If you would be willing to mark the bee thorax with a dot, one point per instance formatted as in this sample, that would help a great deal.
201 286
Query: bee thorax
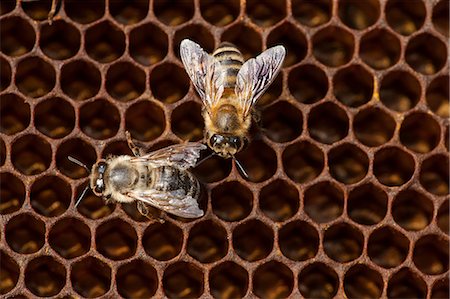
227 119
122 177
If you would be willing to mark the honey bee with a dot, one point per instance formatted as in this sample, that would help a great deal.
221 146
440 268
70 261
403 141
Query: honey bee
229 89
159 179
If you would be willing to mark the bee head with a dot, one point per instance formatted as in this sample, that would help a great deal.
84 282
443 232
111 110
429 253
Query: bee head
97 179
227 146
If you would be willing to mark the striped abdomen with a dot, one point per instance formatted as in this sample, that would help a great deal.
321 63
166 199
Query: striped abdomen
231 59
168 178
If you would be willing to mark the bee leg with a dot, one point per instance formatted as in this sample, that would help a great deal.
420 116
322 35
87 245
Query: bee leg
54 10
136 151
143 209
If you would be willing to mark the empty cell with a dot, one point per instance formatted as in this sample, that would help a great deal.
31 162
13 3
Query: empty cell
213 169
379 49
60 40
292 39
387 247
173 15
373 126
399 91
440 289
245 38
148 44
266 13
183 280
25 234
367 204
187 121
104 42
14 114
92 206
434 175
259 161
406 284
282 122
13 44
35 77
207 242
117 148
37 10
348 163
7 6
80 80
145 121
253 240
431 254
50 196
273 280
361 281
197 33
405 17
343 242
78 149
84 12
169 83
442 218
30 154
99 119
12 192
272 93
318 280
54 117
5 73
437 96
298 240
327 123
231 201
353 85
312 13
333 46
128 12
393 166
279 200
426 54
303 161
420 132
44 276
137 279
359 14
90 277
228 280
116 239
308 83
10 273
162 241
323 202
70 238
125 81
3 153
440 17
219 13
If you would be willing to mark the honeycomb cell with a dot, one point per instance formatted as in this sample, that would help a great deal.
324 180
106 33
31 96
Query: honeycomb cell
426 54
137 279
434 175
128 12
228 280
318 280
308 84
145 121
187 121
292 39
323 202
7 6
282 122
273 280
92 207
379 49
25 234
54 117
279 200
90 277
60 40
10 273
440 17
373 126
443 218
197 33
219 13
34 77
148 44
266 13
343 242
78 149
400 91
30 154
169 83
360 281
104 42
173 15
327 123
80 80
70 238
303 161
117 148
298 240
387 247
50 196
420 132
125 82
438 96
231 201
183 280
99 119
272 93
5 73
406 284
37 10
14 114
348 163
245 38
116 239
259 161
45 276
207 242
393 166
2 153
405 18
353 85
367 204
253 240
312 13
84 12
431 254
440 289
163 241
213 169
359 14
14 44
333 46
12 193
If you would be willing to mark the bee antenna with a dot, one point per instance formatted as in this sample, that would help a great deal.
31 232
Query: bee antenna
241 168
79 163
204 159
82 195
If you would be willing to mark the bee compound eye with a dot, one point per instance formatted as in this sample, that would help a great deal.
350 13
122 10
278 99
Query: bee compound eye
216 139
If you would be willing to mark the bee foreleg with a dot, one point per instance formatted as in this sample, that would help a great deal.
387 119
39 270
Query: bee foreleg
136 151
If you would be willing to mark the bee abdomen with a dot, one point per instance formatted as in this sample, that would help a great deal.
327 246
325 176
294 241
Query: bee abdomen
171 178
231 59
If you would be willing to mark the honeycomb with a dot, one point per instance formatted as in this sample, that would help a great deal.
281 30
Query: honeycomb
347 194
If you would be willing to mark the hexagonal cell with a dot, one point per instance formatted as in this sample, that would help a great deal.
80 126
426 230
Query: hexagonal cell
128 12
183 280
145 121
80 80
367 204
173 15
253 240
420 132
405 18
86 12
387 247
228 280
298 240
197 33
434 175
426 54
318 280
440 289
327 123
70 238
343 242
308 84
400 91
373 126
78 149
213 169
60 40
333 46
5 73
169 83
12 193
363 282
99 119
312 13
25 234
35 77
14 114
245 38
50 196
10 273
207 242
266 13
14 44
117 148
393 166
219 13
148 44
54 117
438 96
324 202
440 17
406 284
7 6
292 39
187 121
231 201
44 276
125 81
279 200
104 42
379 49
30 154
137 279
116 239
353 85
163 241
259 161
359 14
431 254
303 161
90 277
348 163
443 218
2 153
92 207
273 280
37 10
282 122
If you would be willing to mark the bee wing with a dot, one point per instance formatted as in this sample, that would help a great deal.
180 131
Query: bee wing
256 75
205 72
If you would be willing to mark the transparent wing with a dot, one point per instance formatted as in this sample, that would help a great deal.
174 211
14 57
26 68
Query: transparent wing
205 72
256 75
